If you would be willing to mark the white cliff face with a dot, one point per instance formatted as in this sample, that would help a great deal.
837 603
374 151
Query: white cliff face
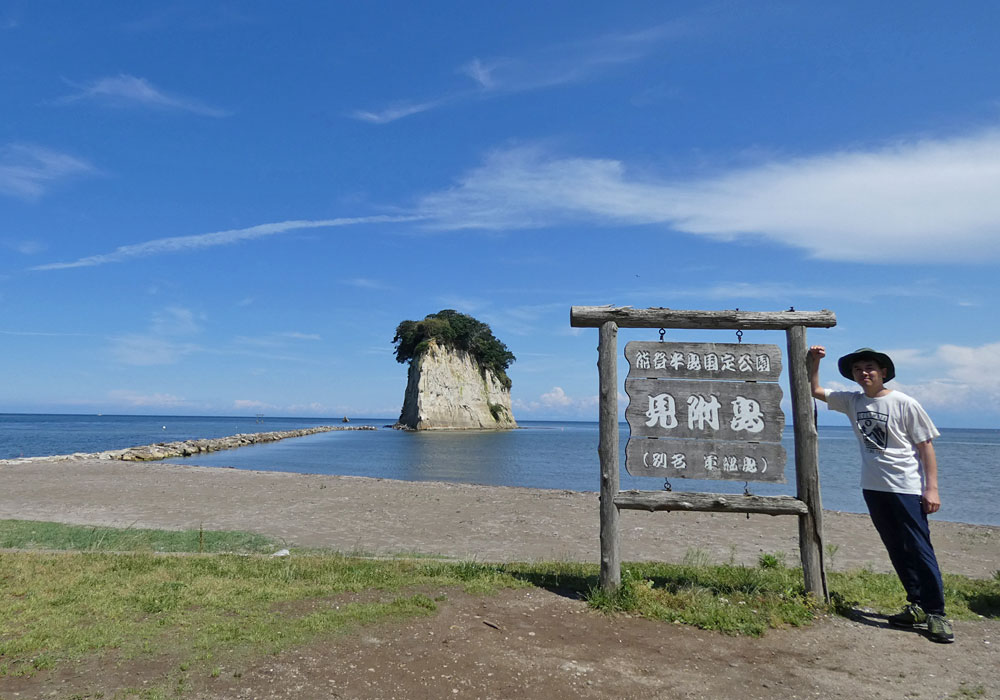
446 389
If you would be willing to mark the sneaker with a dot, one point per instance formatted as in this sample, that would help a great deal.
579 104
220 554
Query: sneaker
939 630
910 616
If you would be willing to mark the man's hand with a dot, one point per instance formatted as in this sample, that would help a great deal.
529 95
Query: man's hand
931 501
815 354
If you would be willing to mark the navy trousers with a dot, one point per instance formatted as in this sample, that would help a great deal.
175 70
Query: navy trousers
902 525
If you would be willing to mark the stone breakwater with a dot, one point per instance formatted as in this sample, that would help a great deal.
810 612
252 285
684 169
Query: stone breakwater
186 448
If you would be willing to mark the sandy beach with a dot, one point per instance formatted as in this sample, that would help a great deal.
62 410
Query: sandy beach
536 642
482 523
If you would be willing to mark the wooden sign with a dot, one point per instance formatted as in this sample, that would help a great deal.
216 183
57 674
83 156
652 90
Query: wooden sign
704 410
703 454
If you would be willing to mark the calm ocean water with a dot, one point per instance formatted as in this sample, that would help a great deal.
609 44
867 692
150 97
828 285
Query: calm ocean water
550 455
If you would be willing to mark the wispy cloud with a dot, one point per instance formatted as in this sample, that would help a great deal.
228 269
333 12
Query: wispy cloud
150 350
175 320
365 283
160 344
276 340
181 244
911 201
128 90
396 111
28 171
561 64
26 247
251 405
571 62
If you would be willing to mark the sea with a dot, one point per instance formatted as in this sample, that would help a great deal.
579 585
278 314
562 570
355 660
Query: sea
540 454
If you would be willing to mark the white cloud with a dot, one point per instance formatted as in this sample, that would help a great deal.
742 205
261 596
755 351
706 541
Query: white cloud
947 377
129 90
479 72
898 203
179 244
27 171
157 346
314 408
138 400
556 397
556 402
974 366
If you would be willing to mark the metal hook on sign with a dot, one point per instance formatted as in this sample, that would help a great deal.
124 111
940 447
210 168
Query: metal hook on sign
739 336
746 488
667 486
663 332
791 308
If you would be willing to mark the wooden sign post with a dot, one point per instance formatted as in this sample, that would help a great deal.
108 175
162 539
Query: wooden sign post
707 411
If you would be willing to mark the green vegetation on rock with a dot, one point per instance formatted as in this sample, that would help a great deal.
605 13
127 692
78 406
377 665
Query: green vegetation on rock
449 328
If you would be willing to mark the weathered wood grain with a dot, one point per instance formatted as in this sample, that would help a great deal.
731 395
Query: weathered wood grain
608 451
710 502
806 465
628 317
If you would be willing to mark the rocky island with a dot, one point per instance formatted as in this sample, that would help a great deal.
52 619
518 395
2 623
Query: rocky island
457 377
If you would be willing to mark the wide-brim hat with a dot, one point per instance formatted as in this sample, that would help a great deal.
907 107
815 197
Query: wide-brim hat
847 362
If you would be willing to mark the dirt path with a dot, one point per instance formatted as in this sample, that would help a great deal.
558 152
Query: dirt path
538 644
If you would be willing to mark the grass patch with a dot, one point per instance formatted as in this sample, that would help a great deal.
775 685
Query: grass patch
745 600
60 607
965 598
729 598
29 534
213 611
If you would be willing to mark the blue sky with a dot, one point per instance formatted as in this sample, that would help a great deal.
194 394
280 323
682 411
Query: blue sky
227 208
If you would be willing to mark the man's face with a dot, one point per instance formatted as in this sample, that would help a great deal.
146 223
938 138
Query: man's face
868 374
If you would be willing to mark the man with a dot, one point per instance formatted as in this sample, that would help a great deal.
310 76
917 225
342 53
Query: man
898 478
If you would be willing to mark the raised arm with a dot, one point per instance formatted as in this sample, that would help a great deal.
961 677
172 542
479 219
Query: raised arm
816 353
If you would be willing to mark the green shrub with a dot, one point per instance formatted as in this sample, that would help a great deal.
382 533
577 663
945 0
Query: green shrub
452 329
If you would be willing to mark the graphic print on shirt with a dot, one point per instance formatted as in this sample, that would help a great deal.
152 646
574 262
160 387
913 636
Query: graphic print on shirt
874 427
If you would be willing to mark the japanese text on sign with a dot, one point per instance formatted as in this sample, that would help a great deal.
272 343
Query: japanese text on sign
704 410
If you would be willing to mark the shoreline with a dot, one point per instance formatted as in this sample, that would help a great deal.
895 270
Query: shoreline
387 517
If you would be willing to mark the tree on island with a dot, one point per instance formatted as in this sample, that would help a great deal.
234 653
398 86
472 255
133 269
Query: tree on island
452 329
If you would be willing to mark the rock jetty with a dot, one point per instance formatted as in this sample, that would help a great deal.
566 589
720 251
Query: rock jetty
186 448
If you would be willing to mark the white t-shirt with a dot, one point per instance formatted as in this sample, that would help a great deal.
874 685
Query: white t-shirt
888 428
